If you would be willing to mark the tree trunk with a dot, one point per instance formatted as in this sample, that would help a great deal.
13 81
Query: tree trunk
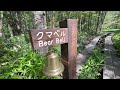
10 30
102 20
1 17
83 21
97 24
13 21
40 23
53 19
40 20
90 20
23 23
44 20
80 27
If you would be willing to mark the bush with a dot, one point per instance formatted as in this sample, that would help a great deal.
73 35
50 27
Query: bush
116 40
19 61
91 69
28 67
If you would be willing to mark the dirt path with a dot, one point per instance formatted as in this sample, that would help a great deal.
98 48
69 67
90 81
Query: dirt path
111 68
82 57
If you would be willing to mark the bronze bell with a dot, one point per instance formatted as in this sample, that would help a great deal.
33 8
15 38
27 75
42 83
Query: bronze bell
53 66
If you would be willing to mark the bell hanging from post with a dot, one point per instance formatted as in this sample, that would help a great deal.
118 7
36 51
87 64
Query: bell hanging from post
53 66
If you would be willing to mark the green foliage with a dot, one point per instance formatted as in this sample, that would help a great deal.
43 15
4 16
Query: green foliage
83 39
16 23
18 61
112 20
91 69
116 40
111 30
28 66
57 49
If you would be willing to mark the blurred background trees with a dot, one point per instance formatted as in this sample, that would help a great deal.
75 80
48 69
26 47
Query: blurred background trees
15 23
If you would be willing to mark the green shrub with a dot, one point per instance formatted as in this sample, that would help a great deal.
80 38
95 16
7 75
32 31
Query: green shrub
91 69
27 67
19 61
116 40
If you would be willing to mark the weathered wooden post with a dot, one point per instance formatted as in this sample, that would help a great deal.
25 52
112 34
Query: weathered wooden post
66 35
69 50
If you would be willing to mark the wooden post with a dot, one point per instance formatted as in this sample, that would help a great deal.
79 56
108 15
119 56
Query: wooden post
66 35
69 50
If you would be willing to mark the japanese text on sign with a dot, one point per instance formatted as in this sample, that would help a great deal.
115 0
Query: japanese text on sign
48 37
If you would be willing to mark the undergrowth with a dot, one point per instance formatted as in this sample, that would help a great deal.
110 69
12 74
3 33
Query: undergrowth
116 41
19 61
91 69
83 39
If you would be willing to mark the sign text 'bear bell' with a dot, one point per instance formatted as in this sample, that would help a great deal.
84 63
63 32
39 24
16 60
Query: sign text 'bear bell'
53 66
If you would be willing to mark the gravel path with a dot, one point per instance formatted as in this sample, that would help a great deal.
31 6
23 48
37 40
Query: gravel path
111 68
82 57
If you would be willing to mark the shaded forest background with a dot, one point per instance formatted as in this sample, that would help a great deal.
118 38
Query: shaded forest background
14 23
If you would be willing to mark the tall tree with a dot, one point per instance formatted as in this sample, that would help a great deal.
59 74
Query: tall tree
39 19
1 16
40 23
12 18
97 21
102 20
